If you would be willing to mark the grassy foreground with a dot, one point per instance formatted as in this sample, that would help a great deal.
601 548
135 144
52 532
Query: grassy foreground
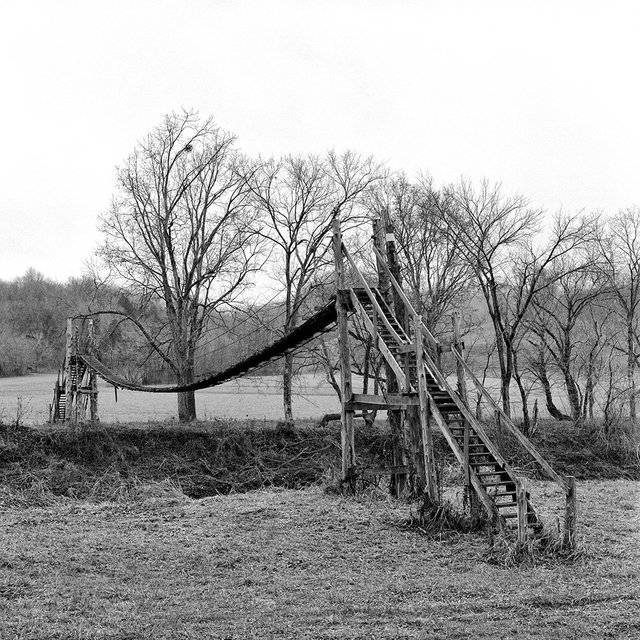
303 564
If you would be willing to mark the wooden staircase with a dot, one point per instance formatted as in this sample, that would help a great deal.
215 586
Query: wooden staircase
79 389
492 478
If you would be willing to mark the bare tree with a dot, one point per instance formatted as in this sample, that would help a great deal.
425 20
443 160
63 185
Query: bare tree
297 197
619 257
560 319
179 231
495 233
432 267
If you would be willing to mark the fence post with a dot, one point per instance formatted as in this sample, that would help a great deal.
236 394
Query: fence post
569 541
521 496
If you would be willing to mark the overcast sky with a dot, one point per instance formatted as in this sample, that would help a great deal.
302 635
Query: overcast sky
541 96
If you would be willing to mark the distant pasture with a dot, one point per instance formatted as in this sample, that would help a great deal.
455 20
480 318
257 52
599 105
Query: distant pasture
255 398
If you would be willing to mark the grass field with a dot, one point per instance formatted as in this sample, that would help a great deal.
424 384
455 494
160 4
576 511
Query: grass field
304 564
254 398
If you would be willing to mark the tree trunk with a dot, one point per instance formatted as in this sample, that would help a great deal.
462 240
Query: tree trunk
526 421
555 413
287 394
505 383
187 406
589 400
631 365
186 399
505 371
574 396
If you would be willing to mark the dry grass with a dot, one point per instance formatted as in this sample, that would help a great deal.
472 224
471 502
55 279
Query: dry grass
303 564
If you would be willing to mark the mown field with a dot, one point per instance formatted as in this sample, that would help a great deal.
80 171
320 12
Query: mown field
304 564
100 539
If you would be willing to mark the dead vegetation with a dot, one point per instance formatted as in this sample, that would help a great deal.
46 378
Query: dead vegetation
111 462
215 458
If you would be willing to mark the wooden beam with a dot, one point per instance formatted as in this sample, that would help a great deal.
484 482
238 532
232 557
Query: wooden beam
346 387
430 476
392 401
93 378
521 501
68 388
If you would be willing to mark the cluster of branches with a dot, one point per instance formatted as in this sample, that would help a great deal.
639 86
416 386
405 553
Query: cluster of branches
550 302
195 221
554 300
197 230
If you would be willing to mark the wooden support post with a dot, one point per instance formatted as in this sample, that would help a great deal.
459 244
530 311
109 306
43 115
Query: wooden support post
394 416
457 345
570 514
521 498
467 473
93 381
431 478
346 386
500 434
68 389
76 391
462 392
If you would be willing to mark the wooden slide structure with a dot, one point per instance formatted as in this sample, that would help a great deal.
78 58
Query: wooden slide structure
424 394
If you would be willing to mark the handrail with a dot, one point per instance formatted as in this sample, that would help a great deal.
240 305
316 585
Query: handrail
374 301
524 441
435 372
388 356
403 296
466 412
455 447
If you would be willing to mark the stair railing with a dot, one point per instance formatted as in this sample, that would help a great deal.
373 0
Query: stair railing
567 485
374 301
431 339
511 426
425 359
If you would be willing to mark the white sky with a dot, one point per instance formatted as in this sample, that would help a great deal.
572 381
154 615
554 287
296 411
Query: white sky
543 96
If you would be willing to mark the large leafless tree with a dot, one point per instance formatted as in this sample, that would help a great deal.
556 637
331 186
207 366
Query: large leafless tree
565 320
179 231
297 198
496 235
619 258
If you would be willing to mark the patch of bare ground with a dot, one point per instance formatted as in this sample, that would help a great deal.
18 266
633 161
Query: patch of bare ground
305 564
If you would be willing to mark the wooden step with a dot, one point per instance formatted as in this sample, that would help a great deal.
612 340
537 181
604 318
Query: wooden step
488 474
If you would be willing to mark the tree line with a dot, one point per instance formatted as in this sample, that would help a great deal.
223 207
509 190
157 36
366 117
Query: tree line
204 246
